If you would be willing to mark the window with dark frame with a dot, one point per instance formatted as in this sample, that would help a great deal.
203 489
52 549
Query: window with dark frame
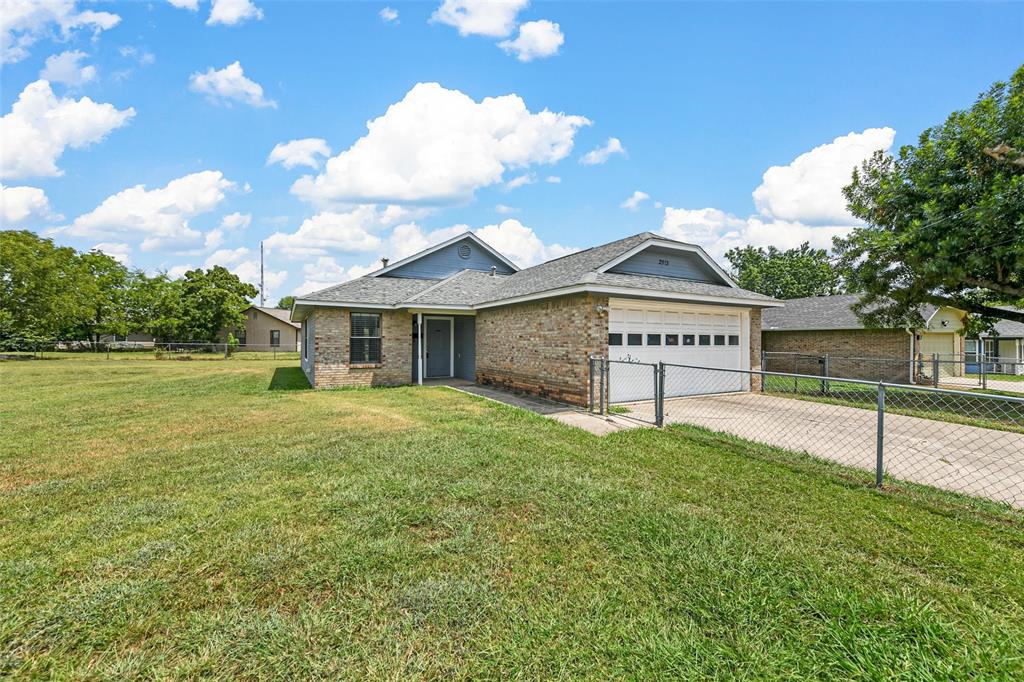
364 338
719 339
634 339
275 338
671 339
654 339
615 339
705 340
240 336
734 340
688 339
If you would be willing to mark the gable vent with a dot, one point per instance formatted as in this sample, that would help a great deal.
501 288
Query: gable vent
465 251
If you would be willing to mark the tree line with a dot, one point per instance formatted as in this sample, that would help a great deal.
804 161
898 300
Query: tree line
52 292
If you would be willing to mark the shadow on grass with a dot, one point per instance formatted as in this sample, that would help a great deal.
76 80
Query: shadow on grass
288 379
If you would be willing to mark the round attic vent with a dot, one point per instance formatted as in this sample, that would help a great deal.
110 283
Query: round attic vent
464 251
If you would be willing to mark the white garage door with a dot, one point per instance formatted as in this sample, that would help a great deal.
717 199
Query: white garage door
702 336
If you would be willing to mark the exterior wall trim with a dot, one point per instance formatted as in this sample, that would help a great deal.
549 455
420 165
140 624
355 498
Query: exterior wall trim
672 246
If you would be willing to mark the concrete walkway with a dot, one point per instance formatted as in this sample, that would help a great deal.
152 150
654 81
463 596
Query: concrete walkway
571 416
956 457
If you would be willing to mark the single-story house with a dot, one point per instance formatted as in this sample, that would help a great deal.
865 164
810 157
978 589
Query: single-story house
266 329
1003 349
462 309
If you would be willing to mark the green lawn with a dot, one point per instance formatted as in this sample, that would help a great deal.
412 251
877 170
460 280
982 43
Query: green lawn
999 377
212 519
960 409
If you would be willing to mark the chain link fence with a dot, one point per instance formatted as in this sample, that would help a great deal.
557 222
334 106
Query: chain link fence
143 350
924 369
968 442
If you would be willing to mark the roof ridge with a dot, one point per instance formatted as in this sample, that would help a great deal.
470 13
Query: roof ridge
436 285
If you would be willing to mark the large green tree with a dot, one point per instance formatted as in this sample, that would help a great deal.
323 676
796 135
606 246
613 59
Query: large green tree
945 217
793 273
286 302
210 301
44 288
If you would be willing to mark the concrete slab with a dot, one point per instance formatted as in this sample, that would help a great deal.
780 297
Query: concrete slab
571 416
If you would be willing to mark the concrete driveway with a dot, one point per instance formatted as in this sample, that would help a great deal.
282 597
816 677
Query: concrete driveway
965 459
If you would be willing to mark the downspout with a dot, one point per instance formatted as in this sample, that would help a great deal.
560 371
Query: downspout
419 347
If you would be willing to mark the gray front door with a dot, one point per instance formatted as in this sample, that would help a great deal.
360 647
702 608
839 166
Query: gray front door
439 347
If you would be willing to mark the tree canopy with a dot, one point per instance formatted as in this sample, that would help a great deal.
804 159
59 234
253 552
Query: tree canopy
945 217
286 302
793 273
52 292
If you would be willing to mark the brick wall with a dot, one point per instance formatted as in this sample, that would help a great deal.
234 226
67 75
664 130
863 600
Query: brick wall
541 347
755 348
873 354
331 368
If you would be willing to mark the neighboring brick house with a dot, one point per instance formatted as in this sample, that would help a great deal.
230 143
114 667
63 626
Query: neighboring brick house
797 336
462 310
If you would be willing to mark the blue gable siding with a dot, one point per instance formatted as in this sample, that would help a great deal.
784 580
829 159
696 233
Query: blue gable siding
447 261
668 263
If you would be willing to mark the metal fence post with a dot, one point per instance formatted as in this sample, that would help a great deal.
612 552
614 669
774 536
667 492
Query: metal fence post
659 394
984 372
824 373
604 372
880 437
592 361
935 370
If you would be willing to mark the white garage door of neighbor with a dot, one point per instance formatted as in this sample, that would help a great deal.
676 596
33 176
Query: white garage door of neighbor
702 336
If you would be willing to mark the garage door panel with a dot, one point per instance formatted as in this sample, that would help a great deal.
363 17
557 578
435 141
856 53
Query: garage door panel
651 325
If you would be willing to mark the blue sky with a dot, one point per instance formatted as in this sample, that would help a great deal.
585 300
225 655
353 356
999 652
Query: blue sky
737 122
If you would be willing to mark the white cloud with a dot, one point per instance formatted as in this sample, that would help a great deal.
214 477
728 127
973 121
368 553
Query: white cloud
438 145
226 257
178 271
231 12
809 189
304 152
601 154
553 179
159 216
332 232
249 271
229 85
502 208
389 14
520 244
40 126
635 199
236 221
142 56
119 251
537 39
191 5
320 274
800 202
67 68
521 180
20 204
495 18
23 22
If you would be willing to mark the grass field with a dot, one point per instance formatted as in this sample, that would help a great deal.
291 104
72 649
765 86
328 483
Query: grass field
213 519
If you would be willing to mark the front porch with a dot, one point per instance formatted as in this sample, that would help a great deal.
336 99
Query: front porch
443 348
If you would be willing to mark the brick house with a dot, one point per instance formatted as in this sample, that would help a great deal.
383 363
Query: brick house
461 309
826 325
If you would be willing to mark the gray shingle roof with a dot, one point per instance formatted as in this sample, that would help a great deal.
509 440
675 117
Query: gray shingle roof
278 313
472 287
1010 328
819 312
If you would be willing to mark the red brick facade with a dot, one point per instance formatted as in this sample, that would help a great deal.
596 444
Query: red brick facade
542 347
330 350
873 354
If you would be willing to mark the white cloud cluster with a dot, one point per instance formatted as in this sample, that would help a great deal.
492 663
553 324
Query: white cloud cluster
520 244
493 18
40 126
799 202
159 217
327 232
601 154
21 204
389 15
320 274
191 5
119 251
536 39
67 68
438 145
634 200
232 12
304 152
497 19
227 85
23 22
241 262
